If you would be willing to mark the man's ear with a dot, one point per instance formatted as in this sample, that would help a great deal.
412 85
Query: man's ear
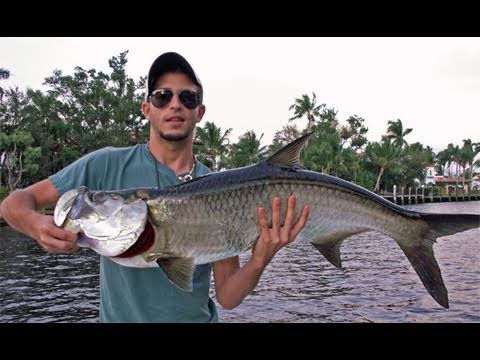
146 109
201 112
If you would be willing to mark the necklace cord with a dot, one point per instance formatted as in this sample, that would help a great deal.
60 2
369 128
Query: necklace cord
183 178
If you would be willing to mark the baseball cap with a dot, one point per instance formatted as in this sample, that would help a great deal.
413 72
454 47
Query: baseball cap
170 62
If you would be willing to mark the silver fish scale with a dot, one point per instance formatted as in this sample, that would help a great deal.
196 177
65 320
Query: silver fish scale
223 222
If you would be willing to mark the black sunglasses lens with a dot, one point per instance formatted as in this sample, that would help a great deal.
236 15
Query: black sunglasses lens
161 98
189 99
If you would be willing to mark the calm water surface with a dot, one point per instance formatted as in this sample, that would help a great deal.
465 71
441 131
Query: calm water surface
377 283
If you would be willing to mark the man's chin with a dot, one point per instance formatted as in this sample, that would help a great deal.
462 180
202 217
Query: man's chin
172 136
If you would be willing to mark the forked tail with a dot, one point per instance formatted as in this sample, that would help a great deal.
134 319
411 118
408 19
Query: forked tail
449 224
420 251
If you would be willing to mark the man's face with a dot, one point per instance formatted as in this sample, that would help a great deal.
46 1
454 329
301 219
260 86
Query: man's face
175 120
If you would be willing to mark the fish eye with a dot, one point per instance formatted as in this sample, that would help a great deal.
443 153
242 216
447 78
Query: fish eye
99 196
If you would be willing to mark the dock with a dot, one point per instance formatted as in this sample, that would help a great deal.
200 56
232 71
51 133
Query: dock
418 196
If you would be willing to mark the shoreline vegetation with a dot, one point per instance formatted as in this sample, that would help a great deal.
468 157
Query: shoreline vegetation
42 132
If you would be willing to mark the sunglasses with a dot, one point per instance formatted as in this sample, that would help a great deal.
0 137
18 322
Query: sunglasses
162 97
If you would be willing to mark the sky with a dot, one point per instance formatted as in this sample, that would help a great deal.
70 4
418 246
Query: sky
432 83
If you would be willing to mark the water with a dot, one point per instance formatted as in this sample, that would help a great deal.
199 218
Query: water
377 283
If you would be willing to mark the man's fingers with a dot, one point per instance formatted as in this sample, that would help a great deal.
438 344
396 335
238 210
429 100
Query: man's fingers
276 205
261 217
301 222
263 223
58 240
53 245
62 234
290 215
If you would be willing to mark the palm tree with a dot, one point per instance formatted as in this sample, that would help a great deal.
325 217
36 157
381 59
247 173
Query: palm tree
248 150
384 155
457 159
211 143
449 156
467 154
430 155
396 132
445 158
306 106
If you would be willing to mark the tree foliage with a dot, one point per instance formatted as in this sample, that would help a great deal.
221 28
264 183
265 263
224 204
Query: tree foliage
42 132
78 113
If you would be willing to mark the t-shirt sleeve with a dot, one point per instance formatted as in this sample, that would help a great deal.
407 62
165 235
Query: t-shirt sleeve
82 172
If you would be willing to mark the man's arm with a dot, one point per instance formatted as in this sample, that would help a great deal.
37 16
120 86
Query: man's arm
20 211
232 282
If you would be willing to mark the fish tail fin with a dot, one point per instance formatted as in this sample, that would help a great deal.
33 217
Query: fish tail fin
423 261
448 224
420 251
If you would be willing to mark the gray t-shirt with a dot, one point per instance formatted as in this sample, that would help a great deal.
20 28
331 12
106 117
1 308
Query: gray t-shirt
133 294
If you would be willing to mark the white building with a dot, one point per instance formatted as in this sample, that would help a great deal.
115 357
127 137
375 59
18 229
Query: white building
430 174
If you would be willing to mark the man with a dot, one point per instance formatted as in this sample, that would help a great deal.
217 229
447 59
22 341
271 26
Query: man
173 105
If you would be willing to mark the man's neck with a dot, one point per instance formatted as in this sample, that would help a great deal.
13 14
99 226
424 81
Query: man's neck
177 155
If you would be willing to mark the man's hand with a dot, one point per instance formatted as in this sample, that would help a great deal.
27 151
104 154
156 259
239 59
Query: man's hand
53 238
272 239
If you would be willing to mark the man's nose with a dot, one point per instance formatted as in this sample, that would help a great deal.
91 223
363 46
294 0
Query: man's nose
175 102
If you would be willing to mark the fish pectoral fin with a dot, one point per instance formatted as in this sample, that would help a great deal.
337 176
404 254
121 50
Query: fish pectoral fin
179 270
422 259
329 245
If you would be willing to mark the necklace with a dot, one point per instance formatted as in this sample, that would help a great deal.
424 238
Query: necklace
185 177
188 176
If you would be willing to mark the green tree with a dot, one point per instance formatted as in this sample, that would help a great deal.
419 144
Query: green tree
445 158
384 156
19 156
103 109
13 110
247 150
324 150
468 152
411 164
329 115
79 113
306 106
396 132
354 132
211 143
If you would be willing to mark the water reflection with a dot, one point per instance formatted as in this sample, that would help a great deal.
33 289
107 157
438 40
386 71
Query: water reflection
40 287
377 283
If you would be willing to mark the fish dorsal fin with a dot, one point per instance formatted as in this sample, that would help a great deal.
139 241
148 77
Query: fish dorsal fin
289 155
329 245
179 271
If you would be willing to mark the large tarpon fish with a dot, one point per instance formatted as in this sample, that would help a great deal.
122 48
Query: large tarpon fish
214 217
